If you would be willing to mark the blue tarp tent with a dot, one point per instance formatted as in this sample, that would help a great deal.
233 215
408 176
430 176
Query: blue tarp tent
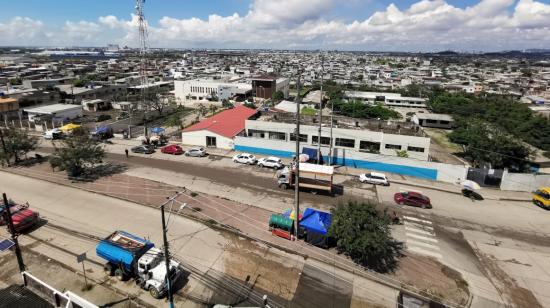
157 130
316 221
312 153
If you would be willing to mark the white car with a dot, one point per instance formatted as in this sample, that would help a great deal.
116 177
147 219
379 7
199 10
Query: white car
374 178
245 158
271 162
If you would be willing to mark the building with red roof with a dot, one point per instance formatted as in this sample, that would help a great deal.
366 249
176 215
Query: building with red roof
218 130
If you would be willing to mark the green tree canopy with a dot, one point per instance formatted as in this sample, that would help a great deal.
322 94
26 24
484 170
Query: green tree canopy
364 234
357 109
18 143
278 96
77 152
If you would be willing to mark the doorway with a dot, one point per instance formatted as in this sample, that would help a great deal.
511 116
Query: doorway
210 142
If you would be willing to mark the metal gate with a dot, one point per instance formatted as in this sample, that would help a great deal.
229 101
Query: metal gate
485 177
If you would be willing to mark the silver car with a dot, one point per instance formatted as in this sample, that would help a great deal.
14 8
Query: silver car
196 152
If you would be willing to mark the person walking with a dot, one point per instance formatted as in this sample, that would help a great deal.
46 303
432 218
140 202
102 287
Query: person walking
126 151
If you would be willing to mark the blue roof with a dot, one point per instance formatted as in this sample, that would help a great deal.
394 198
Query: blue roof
316 221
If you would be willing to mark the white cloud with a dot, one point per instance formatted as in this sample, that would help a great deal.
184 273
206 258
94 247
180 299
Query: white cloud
425 25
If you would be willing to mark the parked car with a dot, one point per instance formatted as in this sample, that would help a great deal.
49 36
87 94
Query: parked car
23 218
374 178
53 134
245 158
541 197
143 149
196 152
271 162
173 149
413 199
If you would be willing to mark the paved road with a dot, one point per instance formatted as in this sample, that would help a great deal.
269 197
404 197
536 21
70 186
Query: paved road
224 257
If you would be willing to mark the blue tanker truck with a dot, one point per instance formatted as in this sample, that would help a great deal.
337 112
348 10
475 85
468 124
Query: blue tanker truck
129 256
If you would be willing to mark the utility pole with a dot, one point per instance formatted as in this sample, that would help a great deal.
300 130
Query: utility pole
166 250
331 122
297 155
11 228
4 147
142 54
320 111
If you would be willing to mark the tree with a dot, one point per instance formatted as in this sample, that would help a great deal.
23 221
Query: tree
78 152
249 105
278 96
18 144
364 234
402 153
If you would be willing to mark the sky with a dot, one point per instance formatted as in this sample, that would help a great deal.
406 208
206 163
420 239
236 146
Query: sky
371 25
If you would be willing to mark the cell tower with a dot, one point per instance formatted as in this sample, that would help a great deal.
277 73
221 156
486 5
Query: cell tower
142 48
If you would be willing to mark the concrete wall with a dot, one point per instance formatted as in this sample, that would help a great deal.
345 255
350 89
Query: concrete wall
523 181
352 158
199 138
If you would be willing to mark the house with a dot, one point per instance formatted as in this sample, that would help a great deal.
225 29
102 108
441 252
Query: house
95 105
219 130
435 120
57 113
9 106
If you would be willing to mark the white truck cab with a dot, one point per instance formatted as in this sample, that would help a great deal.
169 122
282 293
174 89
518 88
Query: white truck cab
152 272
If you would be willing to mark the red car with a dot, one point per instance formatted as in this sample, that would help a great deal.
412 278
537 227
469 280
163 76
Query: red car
413 199
172 149
22 217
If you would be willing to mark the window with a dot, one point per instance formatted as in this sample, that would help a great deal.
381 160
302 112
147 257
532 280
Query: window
415 149
324 140
431 121
369 146
342 142
277 136
256 133
303 137
393 146
444 122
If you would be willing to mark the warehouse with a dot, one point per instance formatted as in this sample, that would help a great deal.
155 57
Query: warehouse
57 113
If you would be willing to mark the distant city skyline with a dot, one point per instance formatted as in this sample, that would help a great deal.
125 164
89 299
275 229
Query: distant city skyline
425 25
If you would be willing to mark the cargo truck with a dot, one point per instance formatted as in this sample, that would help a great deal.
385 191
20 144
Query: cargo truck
129 256
316 178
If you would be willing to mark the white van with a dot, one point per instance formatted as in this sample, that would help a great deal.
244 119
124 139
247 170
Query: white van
374 178
52 134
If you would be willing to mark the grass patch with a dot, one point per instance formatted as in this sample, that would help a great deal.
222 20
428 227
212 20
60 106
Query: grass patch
439 136
308 111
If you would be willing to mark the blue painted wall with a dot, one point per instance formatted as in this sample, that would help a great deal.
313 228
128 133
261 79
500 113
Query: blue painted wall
425 173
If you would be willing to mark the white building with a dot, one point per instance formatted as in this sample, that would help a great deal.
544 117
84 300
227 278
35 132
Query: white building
360 140
190 92
389 99
57 113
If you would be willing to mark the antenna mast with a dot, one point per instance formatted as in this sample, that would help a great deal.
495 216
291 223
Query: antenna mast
142 49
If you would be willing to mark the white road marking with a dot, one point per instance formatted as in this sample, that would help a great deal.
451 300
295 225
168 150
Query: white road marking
411 243
420 237
418 226
426 252
417 219
408 228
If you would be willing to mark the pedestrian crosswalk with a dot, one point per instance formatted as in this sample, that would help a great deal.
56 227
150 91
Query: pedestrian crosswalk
420 235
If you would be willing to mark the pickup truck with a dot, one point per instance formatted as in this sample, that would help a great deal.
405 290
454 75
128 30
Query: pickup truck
315 178
130 256
23 218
